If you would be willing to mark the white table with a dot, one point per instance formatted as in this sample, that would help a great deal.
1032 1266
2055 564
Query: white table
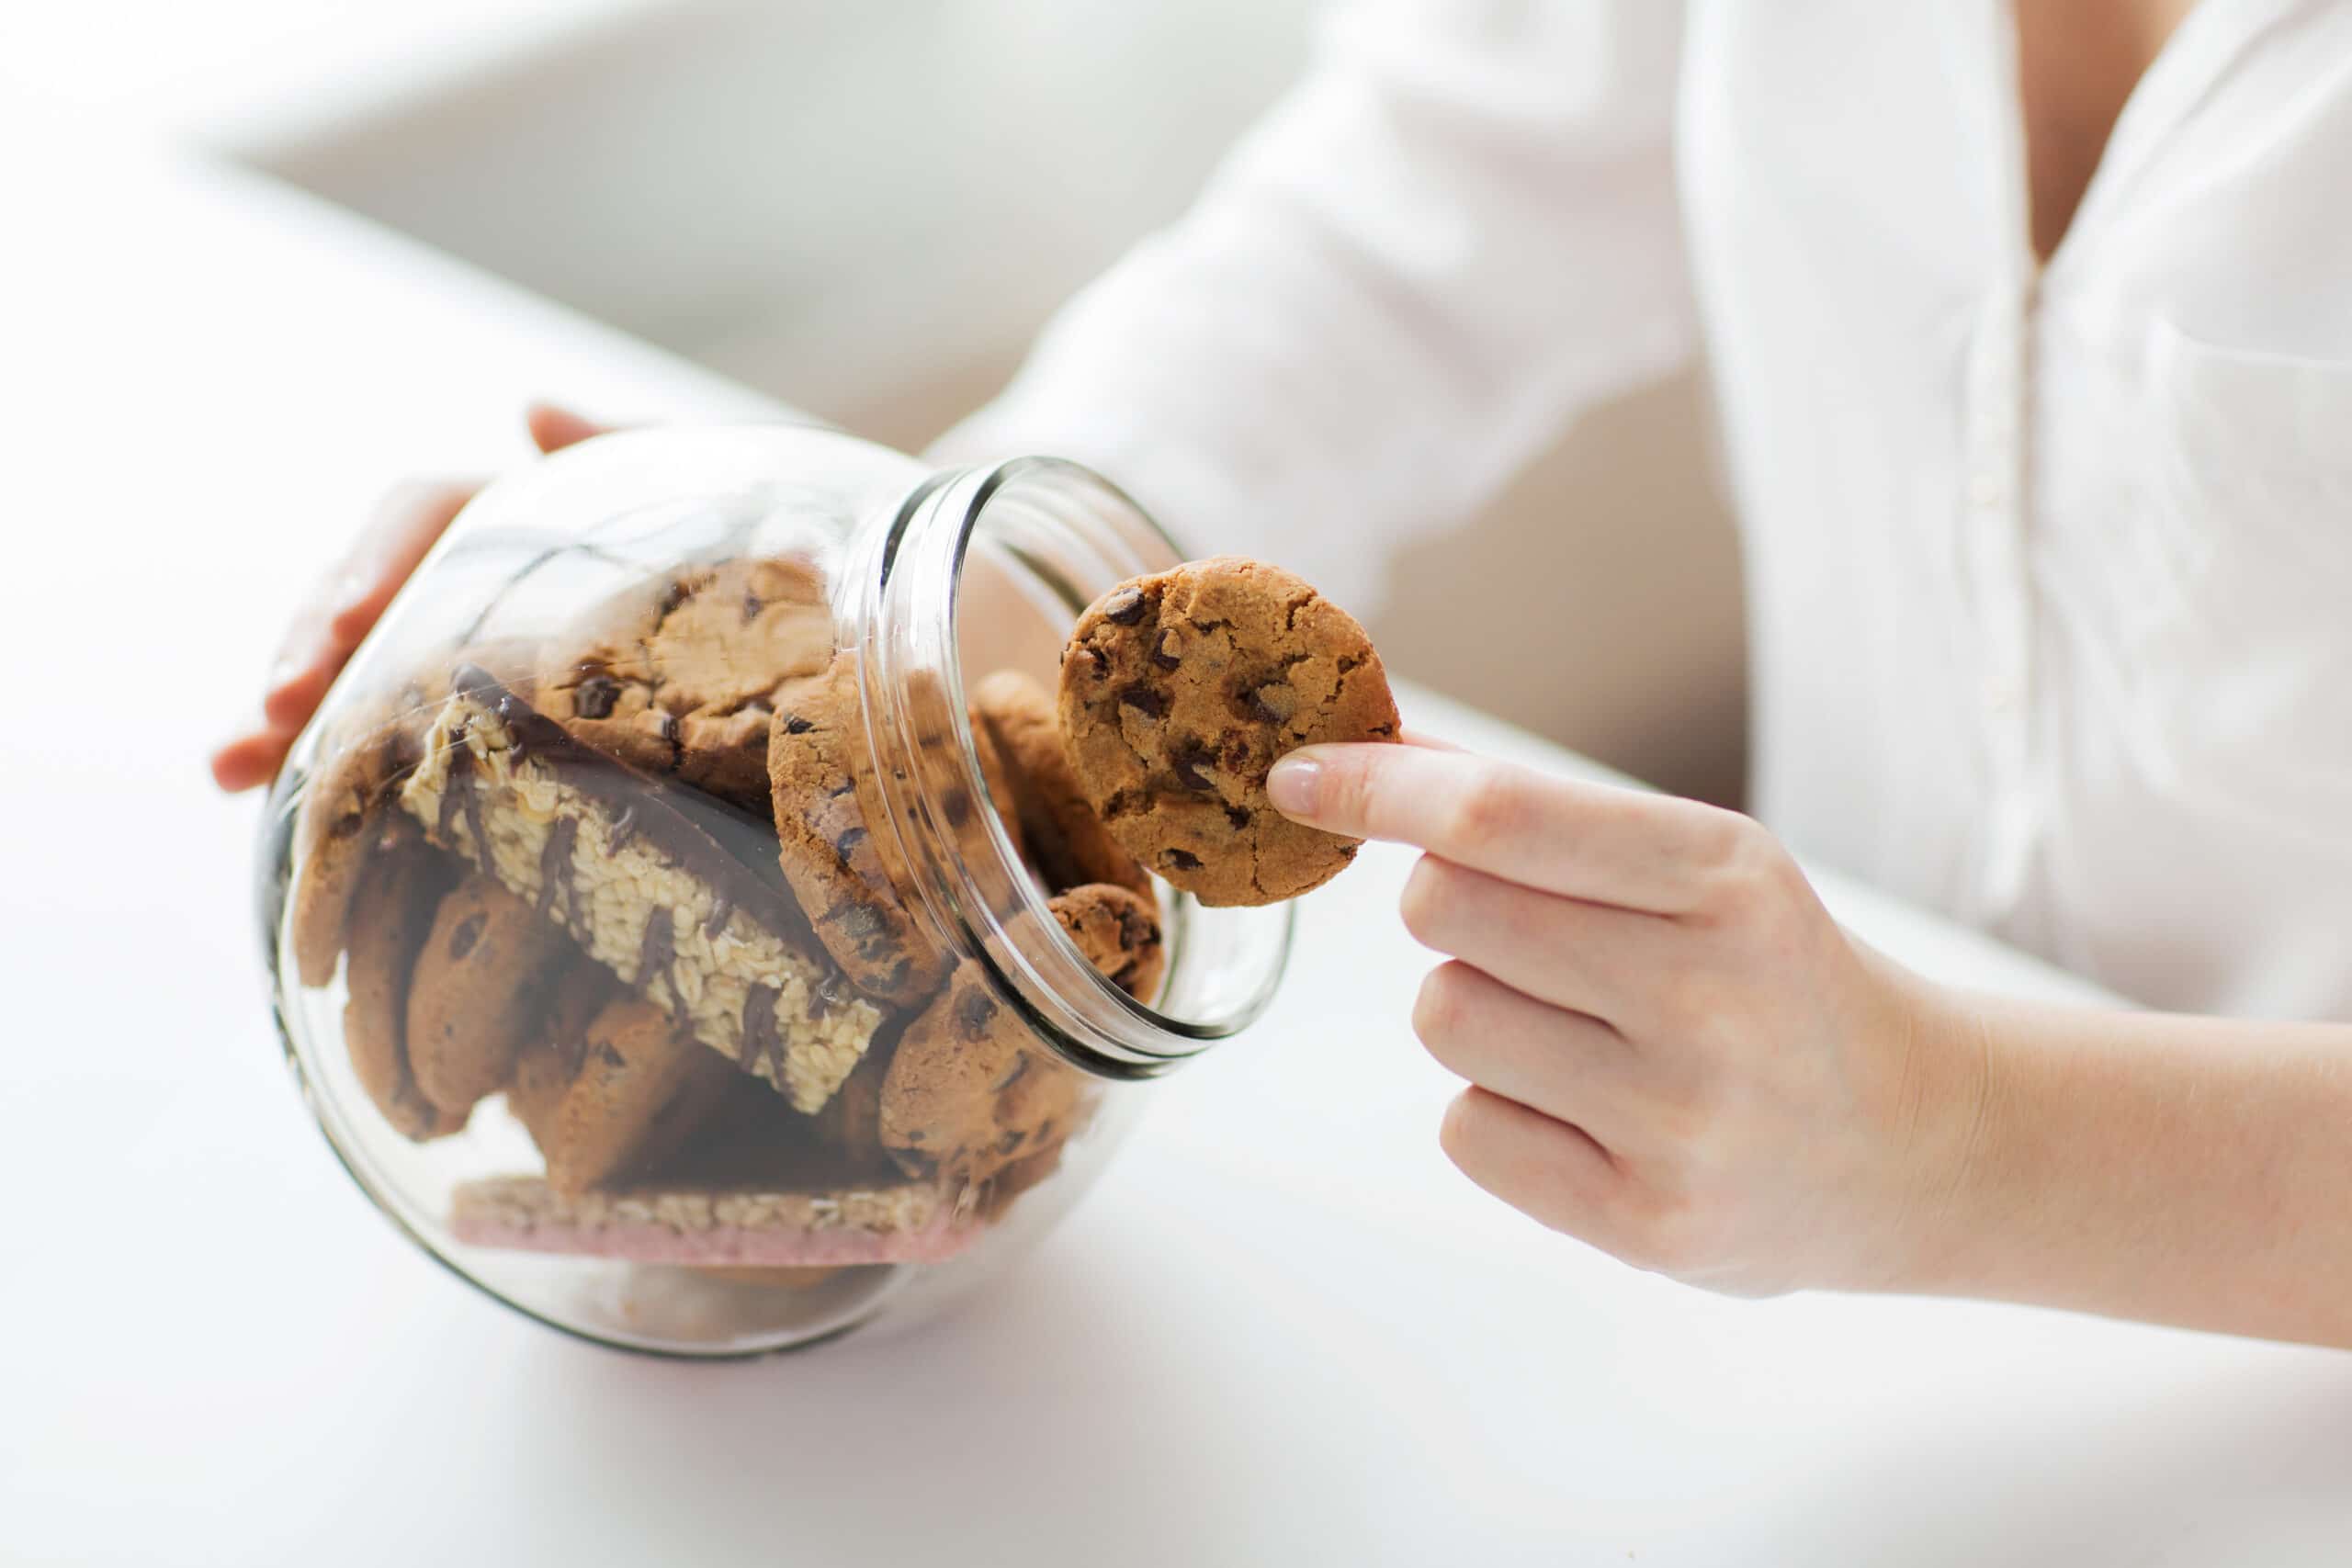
1281 1330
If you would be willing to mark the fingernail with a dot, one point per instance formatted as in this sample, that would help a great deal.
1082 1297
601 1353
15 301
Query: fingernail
1294 786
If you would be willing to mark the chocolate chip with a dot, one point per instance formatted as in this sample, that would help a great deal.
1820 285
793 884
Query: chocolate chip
862 921
956 807
672 597
665 727
1010 1142
610 1055
1183 859
1020 1066
976 1012
1099 666
595 696
346 825
849 840
1165 652
1187 759
1124 608
1262 710
1148 701
793 723
1238 815
468 931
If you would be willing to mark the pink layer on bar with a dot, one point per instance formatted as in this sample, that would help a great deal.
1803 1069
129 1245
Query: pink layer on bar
755 1247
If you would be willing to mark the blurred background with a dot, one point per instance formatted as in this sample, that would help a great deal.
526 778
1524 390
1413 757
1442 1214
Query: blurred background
867 209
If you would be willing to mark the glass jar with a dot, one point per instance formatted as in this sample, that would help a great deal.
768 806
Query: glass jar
672 921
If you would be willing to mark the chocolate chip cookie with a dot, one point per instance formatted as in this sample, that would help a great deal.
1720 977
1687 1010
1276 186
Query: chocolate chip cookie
678 677
1178 693
1119 932
969 1093
399 887
1066 841
827 806
642 1088
475 991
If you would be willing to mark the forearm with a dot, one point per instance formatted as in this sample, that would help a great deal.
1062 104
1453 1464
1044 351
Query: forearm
2194 1171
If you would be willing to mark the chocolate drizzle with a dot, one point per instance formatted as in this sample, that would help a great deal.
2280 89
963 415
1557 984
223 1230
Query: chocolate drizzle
657 951
555 865
731 851
760 1040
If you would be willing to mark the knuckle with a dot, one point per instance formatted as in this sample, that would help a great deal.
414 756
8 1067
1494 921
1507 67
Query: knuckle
1490 810
1745 864
1673 1235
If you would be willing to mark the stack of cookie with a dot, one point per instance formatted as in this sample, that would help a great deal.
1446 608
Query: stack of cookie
633 884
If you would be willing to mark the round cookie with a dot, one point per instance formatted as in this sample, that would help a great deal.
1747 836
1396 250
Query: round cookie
1119 933
550 1058
475 992
820 777
1065 838
641 1087
679 676
1179 692
400 886
343 819
969 1092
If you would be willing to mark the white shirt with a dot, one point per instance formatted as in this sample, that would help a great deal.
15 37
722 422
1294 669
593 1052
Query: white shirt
2050 568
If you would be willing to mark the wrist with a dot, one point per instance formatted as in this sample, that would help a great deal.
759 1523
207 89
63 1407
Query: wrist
1949 1126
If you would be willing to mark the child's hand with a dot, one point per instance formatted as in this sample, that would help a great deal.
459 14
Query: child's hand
1676 1054
348 605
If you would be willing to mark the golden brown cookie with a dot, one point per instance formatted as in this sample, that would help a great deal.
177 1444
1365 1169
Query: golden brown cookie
342 814
641 1087
678 677
827 804
550 1058
1119 933
1066 839
1178 693
969 1092
475 990
400 886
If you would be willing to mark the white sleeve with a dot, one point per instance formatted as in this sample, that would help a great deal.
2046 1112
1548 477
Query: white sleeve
1460 228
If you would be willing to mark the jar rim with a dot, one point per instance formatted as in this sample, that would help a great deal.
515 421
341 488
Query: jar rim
1074 535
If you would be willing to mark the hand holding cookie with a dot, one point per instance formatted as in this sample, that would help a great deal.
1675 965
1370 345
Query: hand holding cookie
1675 1054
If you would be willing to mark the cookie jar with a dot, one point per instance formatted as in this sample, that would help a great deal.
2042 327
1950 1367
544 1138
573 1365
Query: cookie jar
676 918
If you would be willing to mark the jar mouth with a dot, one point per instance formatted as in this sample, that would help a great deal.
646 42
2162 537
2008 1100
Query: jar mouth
1059 535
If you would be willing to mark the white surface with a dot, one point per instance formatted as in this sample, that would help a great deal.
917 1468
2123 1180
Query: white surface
1282 1330
251 75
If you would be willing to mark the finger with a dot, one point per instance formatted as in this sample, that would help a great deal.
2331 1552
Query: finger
408 522
307 663
248 760
1585 840
1591 958
1572 1067
1425 742
1549 1170
556 428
